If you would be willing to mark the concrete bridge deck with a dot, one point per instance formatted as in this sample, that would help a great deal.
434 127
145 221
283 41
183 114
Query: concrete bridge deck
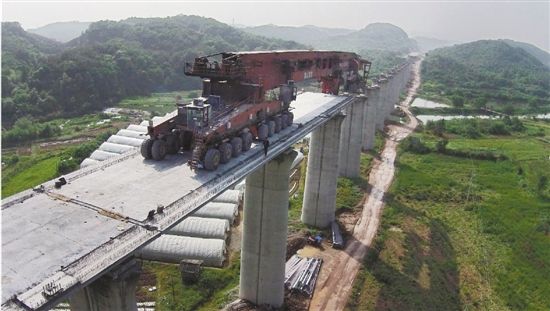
56 241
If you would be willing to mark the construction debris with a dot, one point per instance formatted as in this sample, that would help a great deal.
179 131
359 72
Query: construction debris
301 274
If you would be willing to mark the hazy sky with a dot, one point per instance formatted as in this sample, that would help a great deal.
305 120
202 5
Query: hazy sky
527 21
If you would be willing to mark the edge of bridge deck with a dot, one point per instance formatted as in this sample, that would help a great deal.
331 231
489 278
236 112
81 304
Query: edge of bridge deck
94 260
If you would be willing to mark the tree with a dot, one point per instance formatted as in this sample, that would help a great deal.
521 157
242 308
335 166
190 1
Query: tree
458 101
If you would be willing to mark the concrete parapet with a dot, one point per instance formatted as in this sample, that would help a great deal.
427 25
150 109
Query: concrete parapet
322 174
351 139
264 232
114 291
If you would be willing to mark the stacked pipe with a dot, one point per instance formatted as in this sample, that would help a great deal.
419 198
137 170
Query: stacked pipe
301 274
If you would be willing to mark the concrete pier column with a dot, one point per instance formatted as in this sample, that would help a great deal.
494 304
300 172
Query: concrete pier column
370 115
265 223
322 174
351 139
382 104
392 94
114 291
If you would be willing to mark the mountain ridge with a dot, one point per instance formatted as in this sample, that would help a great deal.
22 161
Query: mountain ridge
61 31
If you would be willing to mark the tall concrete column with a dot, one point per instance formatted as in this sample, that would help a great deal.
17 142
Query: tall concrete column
265 223
369 124
392 95
382 104
322 174
351 139
114 291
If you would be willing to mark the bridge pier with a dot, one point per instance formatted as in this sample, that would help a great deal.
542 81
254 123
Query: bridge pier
393 94
382 104
351 139
322 174
370 116
265 223
114 291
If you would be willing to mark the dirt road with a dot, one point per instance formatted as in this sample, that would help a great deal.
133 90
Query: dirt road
337 275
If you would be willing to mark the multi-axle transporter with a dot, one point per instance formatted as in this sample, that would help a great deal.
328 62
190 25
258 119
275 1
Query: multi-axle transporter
246 96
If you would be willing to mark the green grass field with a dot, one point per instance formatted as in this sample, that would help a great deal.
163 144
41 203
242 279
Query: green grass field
30 172
462 234
158 103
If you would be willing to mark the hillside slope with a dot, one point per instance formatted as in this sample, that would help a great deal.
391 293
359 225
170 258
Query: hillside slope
114 60
61 31
377 36
487 73
541 55
426 44
308 34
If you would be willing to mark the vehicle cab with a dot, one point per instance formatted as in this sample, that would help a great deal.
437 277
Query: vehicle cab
198 114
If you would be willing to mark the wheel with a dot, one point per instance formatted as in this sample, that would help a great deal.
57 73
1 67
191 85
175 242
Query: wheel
145 148
172 144
225 152
284 121
271 125
158 151
290 119
278 124
247 141
263 131
212 159
236 146
260 115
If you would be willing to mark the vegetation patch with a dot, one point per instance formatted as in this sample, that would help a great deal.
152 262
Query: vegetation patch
462 233
487 73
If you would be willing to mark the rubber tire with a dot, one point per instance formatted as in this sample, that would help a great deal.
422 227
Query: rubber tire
278 124
225 152
146 147
236 146
172 144
211 159
271 125
290 119
158 150
261 115
263 132
247 141
284 121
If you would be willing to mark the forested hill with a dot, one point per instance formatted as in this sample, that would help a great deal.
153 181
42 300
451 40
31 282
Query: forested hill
110 61
61 31
487 72
308 34
376 36
21 49
539 54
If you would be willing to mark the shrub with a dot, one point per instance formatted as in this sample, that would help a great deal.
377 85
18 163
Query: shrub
498 128
441 145
414 145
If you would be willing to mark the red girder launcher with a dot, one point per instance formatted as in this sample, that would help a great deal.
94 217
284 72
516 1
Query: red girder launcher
246 96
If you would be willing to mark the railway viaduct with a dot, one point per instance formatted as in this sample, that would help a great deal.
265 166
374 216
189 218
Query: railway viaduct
78 241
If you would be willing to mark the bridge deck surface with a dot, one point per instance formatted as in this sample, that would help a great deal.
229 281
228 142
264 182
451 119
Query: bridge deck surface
67 237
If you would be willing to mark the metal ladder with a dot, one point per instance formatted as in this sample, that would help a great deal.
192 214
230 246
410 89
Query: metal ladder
198 149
